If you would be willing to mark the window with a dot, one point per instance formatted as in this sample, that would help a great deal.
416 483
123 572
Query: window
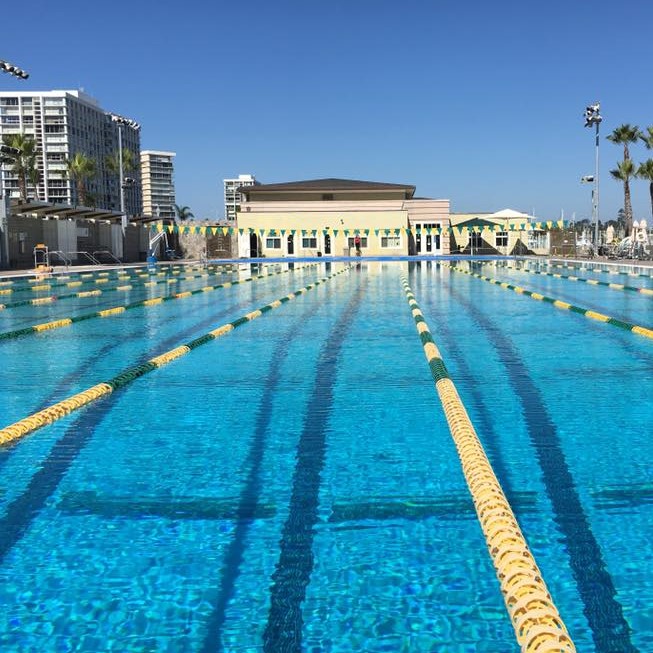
327 196
390 241
351 241
501 239
273 242
309 242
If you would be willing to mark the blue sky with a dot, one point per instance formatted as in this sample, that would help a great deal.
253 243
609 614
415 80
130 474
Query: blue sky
479 102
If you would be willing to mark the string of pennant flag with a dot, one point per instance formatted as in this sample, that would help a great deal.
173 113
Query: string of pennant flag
396 231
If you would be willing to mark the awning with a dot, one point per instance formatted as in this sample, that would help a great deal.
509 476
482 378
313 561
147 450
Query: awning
32 208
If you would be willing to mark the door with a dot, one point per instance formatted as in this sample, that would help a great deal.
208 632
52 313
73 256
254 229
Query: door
327 243
253 246
291 244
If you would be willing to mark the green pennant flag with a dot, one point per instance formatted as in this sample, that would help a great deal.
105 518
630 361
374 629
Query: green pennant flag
283 232
335 233
367 232
376 232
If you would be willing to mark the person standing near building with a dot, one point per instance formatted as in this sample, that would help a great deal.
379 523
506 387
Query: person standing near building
357 245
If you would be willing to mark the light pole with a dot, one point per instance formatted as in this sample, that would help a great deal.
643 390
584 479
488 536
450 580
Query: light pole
7 67
593 117
7 155
121 122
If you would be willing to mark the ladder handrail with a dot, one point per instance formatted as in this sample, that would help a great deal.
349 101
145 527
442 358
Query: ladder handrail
91 258
62 256
109 252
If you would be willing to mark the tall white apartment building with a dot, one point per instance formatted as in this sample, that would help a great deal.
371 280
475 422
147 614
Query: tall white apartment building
158 183
64 123
232 198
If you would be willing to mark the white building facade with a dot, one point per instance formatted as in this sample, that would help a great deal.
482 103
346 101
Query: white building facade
62 124
232 198
157 174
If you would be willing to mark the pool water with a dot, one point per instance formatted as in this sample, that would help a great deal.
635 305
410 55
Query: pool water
293 486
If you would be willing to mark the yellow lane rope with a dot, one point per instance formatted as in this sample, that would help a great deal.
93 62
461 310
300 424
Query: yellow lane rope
535 618
57 411
116 310
647 332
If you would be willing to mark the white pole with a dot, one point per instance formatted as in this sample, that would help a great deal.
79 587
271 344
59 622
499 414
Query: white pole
123 216
596 191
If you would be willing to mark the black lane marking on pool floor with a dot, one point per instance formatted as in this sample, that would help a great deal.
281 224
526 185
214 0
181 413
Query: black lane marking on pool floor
250 496
25 508
283 631
603 611
487 432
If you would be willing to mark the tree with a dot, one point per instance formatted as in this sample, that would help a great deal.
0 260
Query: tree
24 166
81 168
112 162
623 172
645 171
648 138
623 135
183 213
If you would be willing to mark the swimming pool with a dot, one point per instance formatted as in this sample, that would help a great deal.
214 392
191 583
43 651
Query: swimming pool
293 486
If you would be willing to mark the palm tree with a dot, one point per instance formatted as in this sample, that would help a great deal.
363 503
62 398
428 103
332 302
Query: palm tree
625 134
81 168
623 172
112 162
645 171
183 213
24 166
648 138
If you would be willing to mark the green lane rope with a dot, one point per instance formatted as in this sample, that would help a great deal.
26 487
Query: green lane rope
57 411
105 279
115 310
582 267
95 292
591 282
76 279
535 618
593 315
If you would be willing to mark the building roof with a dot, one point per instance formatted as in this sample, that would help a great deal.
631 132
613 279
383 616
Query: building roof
330 184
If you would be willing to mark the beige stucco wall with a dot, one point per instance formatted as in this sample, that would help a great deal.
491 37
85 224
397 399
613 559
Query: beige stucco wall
332 223
337 216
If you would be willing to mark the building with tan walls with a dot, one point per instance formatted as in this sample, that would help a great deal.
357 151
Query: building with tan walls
505 232
323 217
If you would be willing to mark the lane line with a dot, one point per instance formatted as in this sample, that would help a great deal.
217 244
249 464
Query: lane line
62 408
537 623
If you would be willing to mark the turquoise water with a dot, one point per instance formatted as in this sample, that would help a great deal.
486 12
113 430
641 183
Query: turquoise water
292 486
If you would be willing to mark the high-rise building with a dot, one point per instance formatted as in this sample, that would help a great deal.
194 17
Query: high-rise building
158 183
64 123
232 198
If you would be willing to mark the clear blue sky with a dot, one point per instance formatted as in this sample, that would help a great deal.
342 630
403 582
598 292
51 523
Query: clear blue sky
479 102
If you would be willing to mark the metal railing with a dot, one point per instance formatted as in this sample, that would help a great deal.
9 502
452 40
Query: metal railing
66 261
109 253
90 257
